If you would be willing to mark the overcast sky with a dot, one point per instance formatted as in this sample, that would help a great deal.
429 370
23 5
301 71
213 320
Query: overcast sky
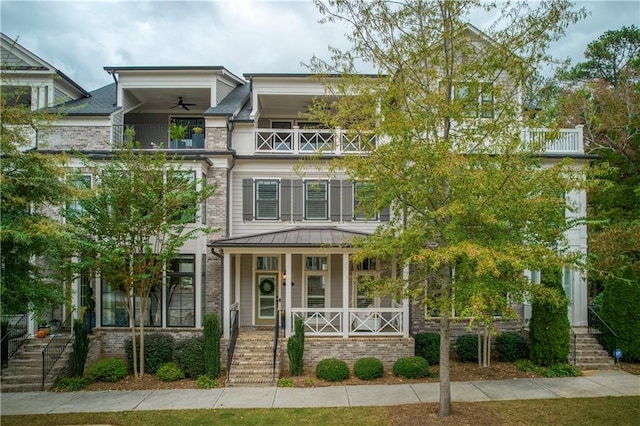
81 37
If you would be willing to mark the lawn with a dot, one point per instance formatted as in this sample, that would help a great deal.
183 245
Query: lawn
582 411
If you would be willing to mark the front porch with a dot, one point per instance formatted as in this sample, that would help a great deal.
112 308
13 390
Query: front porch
305 273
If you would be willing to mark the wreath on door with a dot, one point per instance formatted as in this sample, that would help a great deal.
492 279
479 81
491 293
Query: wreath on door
266 286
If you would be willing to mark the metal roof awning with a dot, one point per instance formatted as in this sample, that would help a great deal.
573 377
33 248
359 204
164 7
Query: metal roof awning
293 237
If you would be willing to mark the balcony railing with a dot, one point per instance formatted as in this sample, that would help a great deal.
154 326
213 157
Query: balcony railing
156 136
361 321
303 141
564 141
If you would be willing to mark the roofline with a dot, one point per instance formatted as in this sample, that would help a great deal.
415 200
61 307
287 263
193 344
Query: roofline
73 83
115 69
225 242
305 75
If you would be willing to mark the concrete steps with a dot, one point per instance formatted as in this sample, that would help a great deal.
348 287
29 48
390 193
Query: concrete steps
252 363
24 373
589 354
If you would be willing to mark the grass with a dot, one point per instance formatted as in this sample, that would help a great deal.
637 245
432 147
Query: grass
583 411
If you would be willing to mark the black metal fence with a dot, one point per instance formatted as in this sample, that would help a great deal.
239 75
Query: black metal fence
233 337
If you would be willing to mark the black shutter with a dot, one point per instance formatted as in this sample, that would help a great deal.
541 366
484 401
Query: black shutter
334 200
347 200
298 199
285 197
247 199
385 214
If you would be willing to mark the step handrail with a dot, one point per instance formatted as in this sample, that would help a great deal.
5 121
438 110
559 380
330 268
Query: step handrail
233 337
54 349
13 337
276 334
574 343
607 334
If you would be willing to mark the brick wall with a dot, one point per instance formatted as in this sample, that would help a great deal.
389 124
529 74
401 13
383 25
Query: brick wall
386 349
217 219
216 138
75 137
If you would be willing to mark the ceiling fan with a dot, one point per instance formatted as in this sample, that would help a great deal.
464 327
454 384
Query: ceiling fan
182 104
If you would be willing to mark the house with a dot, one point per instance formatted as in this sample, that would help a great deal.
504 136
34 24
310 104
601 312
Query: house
285 224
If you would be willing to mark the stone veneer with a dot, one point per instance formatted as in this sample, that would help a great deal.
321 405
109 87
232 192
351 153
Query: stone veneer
386 349
216 138
75 137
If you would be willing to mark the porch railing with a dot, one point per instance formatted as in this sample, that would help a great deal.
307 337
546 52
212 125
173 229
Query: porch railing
603 332
60 338
233 336
14 333
156 136
326 141
361 321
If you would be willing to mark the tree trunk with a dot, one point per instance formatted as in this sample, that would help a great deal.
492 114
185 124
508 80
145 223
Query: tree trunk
132 324
143 306
444 409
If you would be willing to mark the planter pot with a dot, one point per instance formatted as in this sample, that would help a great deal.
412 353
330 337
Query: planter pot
197 140
89 321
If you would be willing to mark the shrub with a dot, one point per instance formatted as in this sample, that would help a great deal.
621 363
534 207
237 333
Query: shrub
368 368
189 355
107 370
411 367
428 347
467 347
549 328
295 349
211 346
80 348
70 384
332 370
285 382
528 366
169 372
561 370
158 350
206 382
511 347
620 310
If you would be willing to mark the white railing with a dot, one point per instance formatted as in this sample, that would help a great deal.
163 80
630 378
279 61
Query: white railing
303 141
564 141
361 321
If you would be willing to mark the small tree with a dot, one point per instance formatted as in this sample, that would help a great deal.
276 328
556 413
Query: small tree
295 349
80 348
133 224
211 345
549 328
620 310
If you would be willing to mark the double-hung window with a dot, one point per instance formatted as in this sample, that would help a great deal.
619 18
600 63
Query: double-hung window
477 99
316 200
363 202
181 292
79 183
267 199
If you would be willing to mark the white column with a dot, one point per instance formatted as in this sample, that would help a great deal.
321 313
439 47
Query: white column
345 295
226 292
289 316
405 306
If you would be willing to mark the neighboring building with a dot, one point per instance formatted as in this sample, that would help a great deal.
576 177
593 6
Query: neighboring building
282 249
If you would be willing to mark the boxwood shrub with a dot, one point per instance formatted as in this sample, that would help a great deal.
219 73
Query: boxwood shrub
467 347
332 370
368 368
189 355
107 370
411 367
428 347
170 372
158 350
511 347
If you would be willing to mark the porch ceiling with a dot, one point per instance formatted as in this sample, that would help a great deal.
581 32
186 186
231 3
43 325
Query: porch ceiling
293 237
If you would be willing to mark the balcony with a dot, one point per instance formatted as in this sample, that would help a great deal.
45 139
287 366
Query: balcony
307 141
154 136
564 141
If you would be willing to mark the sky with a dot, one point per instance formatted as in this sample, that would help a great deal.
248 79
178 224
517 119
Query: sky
81 37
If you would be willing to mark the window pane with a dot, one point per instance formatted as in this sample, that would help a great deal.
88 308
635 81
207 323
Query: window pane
181 292
316 202
267 199
315 291
114 307
267 263
363 203
318 263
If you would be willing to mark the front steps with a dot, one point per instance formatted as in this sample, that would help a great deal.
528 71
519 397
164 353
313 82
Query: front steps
589 354
252 363
24 373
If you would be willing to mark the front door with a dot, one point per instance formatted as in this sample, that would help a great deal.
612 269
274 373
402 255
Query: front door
266 298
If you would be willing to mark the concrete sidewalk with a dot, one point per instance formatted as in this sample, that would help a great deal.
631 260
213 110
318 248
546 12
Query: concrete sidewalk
592 384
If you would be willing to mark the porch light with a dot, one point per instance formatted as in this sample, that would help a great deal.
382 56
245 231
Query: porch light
284 280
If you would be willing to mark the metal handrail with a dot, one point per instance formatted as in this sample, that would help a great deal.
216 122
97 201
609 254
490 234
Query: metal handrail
606 336
54 349
233 337
14 336
574 343
276 335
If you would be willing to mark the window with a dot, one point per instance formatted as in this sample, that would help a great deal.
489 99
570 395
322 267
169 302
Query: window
267 202
14 96
114 307
267 263
181 292
363 271
477 99
78 182
363 202
316 270
316 199
486 100
188 211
